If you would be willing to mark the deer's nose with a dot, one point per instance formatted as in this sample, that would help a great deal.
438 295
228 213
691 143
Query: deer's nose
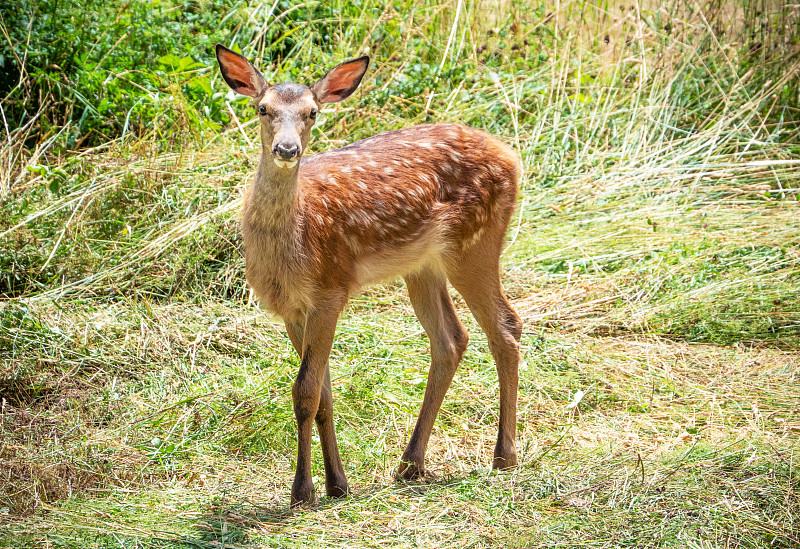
285 151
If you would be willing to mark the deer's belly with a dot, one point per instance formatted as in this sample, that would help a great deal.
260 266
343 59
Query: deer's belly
427 252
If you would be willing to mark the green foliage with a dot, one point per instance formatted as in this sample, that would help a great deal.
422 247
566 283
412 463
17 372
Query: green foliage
104 69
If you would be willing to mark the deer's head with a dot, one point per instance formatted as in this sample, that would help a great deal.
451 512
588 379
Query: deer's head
287 111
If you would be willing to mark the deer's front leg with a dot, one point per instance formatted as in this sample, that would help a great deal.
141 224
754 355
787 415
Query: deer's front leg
335 479
312 380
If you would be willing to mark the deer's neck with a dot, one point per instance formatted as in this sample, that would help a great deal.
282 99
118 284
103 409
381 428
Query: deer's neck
272 225
273 203
272 228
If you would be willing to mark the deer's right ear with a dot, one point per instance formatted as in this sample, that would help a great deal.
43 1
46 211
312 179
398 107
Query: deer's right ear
239 73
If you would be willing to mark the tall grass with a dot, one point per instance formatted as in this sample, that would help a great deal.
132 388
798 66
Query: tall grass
654 259
615 106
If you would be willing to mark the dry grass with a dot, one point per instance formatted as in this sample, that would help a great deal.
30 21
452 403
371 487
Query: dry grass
666 433
655 262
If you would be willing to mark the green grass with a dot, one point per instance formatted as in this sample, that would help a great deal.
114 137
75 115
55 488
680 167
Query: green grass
655 261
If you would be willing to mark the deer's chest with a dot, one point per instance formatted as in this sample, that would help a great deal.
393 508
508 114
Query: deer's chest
273 273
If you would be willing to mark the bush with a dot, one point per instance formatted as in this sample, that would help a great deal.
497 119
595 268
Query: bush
103 69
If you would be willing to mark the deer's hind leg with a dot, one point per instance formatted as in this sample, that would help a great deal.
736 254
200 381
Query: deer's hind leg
448 338
477 279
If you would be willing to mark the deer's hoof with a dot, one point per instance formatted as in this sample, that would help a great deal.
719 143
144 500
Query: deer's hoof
337 489
504 460
410 470
302 494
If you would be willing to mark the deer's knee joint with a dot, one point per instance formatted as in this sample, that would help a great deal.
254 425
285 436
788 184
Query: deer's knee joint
306 391
452 347
513 324
460 341
305 403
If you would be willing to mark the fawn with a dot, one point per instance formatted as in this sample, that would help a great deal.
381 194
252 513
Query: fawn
429 203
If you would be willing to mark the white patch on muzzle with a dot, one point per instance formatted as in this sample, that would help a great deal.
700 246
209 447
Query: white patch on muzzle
285 163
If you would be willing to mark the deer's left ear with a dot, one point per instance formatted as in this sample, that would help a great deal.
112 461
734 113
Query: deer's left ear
341 81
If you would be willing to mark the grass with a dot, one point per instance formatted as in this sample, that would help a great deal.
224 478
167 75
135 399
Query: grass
655 261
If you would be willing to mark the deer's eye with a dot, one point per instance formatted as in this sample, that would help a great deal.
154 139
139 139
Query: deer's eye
262 110
313 114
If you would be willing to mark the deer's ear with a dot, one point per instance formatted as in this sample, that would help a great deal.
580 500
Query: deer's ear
239 73
341 81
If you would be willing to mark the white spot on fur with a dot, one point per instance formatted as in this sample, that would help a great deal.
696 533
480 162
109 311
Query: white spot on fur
474 238
352 242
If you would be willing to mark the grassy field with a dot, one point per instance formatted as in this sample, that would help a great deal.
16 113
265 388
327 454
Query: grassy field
655 261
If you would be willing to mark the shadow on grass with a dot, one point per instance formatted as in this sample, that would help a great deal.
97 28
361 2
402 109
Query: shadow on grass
230 523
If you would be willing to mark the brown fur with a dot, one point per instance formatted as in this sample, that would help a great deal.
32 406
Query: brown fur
430 203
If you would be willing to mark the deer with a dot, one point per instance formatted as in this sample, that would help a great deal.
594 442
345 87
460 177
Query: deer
430 203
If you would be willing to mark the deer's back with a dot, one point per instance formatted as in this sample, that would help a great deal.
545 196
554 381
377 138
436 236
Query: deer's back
390 189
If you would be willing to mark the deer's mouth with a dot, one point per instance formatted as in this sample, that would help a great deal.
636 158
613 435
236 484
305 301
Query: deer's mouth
285 164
